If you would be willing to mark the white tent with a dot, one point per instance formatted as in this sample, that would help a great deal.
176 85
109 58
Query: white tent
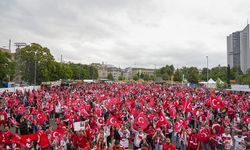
211 83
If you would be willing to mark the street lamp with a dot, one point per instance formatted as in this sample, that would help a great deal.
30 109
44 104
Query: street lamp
207 68
35 69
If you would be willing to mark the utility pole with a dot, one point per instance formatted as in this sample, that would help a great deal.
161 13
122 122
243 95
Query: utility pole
35 69
10 45
207 69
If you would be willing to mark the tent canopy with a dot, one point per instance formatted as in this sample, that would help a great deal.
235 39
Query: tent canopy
211 81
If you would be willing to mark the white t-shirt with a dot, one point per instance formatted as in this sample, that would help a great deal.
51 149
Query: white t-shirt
238 146
124 134
138 138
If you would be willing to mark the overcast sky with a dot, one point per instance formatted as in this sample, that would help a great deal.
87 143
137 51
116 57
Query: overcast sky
141 33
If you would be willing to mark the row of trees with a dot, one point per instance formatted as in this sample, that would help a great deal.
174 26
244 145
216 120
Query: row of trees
37 64
194 75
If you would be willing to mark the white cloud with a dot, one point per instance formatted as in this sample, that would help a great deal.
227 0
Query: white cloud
126 32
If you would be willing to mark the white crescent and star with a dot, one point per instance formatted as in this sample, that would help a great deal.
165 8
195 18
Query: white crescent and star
140 120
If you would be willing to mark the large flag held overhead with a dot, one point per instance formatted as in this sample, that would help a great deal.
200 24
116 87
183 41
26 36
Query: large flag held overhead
142 121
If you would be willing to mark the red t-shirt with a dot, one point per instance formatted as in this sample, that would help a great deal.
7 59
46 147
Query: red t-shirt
168 147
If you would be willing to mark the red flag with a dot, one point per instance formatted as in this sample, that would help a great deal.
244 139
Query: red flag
25 140
196 112
216 103
162 120
21 109
218 128
247 119
178 125
113 121
142 121
100 122
204 134
41 117
43 140
172 111
187 105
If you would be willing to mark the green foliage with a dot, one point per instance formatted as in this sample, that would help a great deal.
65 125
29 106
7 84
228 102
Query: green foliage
220 84
110 76
135 77
218 72
146 77
245 78
203 74
177 75
193 75
33 58
166 72
7 67
121 78
47 69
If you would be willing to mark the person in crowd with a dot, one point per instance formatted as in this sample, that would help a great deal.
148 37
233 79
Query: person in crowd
158 139
168 145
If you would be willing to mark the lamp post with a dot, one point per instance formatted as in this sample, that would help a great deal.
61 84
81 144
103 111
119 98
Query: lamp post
35 69
207 68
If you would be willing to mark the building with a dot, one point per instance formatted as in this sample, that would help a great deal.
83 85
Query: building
245 49
129 73
116 72
102 70
5 50
238 51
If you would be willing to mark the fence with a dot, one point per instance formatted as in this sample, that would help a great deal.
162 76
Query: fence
13 89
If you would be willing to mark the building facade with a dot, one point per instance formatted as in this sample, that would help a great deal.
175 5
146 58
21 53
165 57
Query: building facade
116 72
102 70
238 51
129 73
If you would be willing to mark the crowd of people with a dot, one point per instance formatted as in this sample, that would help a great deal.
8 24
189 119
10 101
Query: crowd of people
140 116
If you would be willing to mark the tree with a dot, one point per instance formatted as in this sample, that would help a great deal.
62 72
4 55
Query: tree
219 72
110 76
177 75
93 72
245 78
203 74
146 77
121 78
37 63
165 72
193 75
7 67
135 77
236 73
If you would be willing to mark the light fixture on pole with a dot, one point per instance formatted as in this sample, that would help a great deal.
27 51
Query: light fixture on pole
207 68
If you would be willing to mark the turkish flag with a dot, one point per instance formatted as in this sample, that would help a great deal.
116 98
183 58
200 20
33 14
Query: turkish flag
178 125
196 112
142 121
218 128
25 140
203 136
100 121
247 119
216 103
21 109
187 105
41 117
113 121
56 134
162 120
43 140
